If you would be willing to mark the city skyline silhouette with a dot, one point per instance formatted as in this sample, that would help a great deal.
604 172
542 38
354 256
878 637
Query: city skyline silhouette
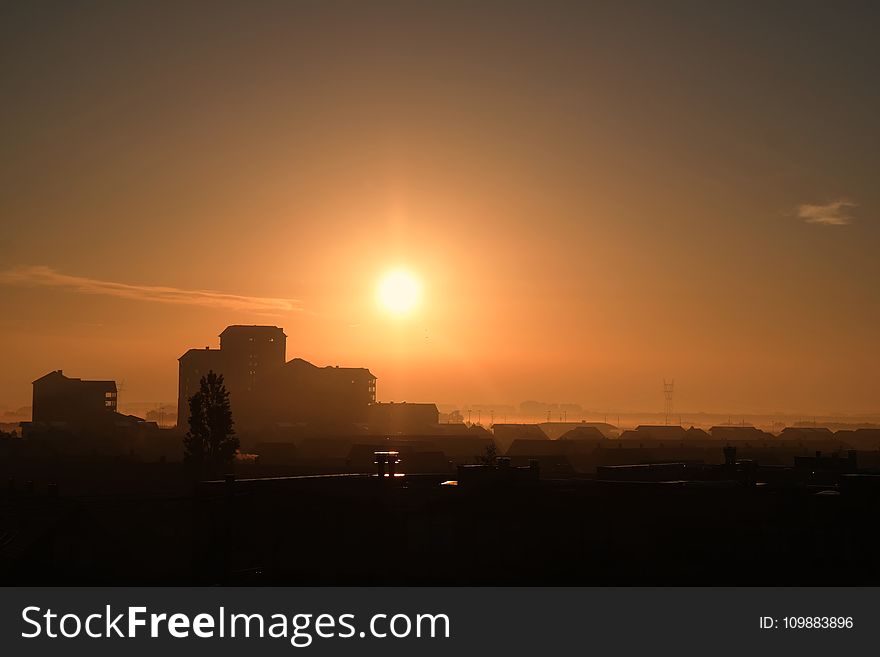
405 293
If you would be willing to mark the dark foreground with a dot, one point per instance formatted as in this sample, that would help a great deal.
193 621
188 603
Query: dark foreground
362 530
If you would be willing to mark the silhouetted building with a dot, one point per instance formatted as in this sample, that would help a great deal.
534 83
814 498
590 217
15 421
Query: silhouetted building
83 415
864 439
61 399
193 365
403 418
300 392
246 355
505 434
741 432
562 457
585 432
252 353
806 433
555 430
655 432
264 390
696 434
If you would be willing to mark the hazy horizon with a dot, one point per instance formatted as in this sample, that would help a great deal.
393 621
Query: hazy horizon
591 199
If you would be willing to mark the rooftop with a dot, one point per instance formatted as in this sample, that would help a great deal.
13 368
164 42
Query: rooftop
233 328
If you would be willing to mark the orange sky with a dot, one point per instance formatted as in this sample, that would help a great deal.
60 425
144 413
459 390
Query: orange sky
594 199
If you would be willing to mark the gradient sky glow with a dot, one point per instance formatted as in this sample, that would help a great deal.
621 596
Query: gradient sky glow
593 196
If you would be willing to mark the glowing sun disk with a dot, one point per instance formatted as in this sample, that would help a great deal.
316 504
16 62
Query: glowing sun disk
399 292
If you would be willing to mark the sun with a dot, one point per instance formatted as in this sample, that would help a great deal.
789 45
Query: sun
399 292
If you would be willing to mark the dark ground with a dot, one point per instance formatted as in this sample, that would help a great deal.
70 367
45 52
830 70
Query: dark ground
122 523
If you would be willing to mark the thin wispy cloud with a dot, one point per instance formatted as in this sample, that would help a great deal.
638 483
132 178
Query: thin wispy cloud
835 213
41 276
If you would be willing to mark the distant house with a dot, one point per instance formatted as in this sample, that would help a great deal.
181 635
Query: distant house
806 433
505 434
863 439
695 433
66 406
733 433
61 399
461 429
555 430
655 432
403 418
583 433
562 457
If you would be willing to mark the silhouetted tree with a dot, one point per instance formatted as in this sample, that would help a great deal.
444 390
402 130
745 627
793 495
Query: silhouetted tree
211 442
489 456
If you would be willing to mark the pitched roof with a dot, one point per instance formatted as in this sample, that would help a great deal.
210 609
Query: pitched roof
583 433
190 353
58 374
251 327
52 374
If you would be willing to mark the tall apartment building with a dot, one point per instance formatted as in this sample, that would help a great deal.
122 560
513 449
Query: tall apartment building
266 390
